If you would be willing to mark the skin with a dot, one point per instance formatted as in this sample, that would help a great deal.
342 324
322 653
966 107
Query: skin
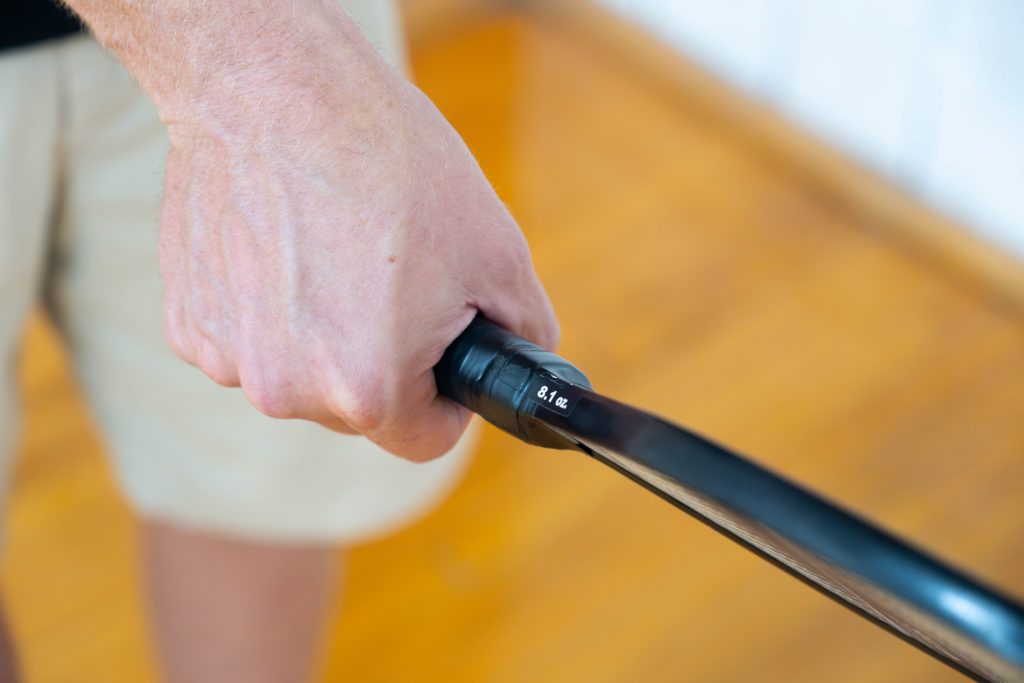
231 610
325 234
8 659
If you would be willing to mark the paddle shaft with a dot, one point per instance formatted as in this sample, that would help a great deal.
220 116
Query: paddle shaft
542 399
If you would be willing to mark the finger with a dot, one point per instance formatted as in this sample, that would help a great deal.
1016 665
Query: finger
540 323
274 391
336 424
215 363
426 429
527 313
176 330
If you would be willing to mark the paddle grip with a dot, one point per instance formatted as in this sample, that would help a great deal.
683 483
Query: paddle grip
498 375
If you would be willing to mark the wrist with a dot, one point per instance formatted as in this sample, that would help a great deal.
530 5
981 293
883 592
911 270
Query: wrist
238 66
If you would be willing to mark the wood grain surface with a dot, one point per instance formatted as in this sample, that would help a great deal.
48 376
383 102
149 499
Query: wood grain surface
694 275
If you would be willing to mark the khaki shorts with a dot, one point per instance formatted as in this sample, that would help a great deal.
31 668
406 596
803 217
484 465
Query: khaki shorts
80 184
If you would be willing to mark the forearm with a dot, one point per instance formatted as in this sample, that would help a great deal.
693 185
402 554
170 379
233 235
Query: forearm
236 59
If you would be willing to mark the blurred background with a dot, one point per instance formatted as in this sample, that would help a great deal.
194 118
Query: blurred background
792 226
928 93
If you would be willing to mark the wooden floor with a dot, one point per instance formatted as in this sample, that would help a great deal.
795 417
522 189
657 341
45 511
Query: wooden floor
693 275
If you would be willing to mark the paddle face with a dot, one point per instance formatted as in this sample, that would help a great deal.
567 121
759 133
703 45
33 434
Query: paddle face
542 399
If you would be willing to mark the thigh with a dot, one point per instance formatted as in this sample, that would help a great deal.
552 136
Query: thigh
29 172
186 450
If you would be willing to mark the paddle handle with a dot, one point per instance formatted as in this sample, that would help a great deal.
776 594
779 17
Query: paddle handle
497 375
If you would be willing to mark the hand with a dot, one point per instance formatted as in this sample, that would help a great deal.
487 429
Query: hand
325 235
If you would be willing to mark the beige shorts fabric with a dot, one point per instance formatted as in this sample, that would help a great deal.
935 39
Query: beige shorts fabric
80 185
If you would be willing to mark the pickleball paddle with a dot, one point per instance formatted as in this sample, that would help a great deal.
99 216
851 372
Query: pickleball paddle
542 399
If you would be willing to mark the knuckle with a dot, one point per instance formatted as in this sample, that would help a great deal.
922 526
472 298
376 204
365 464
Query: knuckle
366 413
179 346
220 373
273 399
215 365
364 408
177 339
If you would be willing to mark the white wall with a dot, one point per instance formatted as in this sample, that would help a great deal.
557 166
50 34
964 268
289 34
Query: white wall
928 92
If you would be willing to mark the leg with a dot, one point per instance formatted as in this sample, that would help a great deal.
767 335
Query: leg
228 610
240 597
29 169
8 660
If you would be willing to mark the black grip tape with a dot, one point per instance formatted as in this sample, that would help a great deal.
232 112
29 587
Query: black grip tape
500 376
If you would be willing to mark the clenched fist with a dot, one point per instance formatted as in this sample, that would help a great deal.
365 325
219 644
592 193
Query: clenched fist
325 233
